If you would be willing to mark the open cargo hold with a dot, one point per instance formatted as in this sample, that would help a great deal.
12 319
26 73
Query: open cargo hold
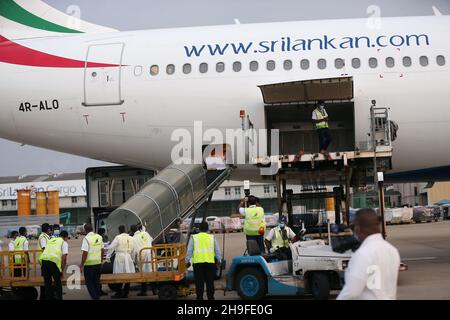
289 107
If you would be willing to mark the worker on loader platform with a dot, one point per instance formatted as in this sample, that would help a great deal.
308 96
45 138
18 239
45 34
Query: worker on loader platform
255 222
320 121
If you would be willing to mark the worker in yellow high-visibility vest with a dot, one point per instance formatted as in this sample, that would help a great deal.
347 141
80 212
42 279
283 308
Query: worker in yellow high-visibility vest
91 261
46 233
19 244
53 261
254 221
204 253
320 121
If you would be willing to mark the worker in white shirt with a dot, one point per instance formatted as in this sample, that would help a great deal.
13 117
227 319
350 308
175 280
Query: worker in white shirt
53 261
123 247
254 221
91 261
20 243
142 239
372 272
277 239
44 237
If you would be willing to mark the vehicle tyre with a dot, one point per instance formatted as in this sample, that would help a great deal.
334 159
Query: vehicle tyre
251 284
167 292
26 293
320 286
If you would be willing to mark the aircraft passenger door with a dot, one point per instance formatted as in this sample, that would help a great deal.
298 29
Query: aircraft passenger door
102 85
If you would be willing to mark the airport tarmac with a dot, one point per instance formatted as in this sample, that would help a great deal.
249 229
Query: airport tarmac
423 247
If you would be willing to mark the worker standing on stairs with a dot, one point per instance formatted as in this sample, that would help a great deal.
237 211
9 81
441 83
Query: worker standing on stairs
320 121
254 223
53 262
123 246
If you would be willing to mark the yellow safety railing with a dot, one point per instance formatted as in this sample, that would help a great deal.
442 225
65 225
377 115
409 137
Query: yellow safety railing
19 265
163 257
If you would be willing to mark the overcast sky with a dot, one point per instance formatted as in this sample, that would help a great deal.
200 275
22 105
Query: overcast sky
145 14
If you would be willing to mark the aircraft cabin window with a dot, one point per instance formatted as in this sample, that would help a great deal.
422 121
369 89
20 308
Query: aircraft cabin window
253 65
187 68
321 64
304 64
407 61
373 62
237 66
356 63
287 64
270 65
154 70
423 61
390 62
440 60
138 71
339 63
203 68
170 69
220 67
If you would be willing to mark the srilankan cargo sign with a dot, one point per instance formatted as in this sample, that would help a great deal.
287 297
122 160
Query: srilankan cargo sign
72 188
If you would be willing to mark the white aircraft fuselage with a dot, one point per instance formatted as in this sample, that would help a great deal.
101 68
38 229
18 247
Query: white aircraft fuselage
93 95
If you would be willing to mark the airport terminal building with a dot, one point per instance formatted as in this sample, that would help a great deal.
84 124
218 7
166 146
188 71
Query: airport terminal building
109 187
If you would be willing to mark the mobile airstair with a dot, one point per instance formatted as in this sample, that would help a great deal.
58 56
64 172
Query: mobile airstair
177 192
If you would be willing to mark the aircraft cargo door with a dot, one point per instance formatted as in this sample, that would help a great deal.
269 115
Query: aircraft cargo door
102 84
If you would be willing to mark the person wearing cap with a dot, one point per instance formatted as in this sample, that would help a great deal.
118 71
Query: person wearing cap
91 261
320 121
254 221
53 261
278 238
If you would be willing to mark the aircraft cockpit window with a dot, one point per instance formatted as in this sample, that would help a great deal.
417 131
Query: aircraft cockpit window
321 64
356 63
339 63
304 64
154 70
203 68
390 62
407 61
187 68
237 66
170 69
287 64
270 65
423 61
373 62
440 60
220 67
253 65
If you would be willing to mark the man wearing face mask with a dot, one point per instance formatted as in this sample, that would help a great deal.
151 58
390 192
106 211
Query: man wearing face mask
372 272
320 121
278 238
56 231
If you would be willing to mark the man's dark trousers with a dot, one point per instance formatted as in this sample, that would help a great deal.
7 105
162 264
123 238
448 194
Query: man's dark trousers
324 138
260 240
204 273
92 279
51 273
